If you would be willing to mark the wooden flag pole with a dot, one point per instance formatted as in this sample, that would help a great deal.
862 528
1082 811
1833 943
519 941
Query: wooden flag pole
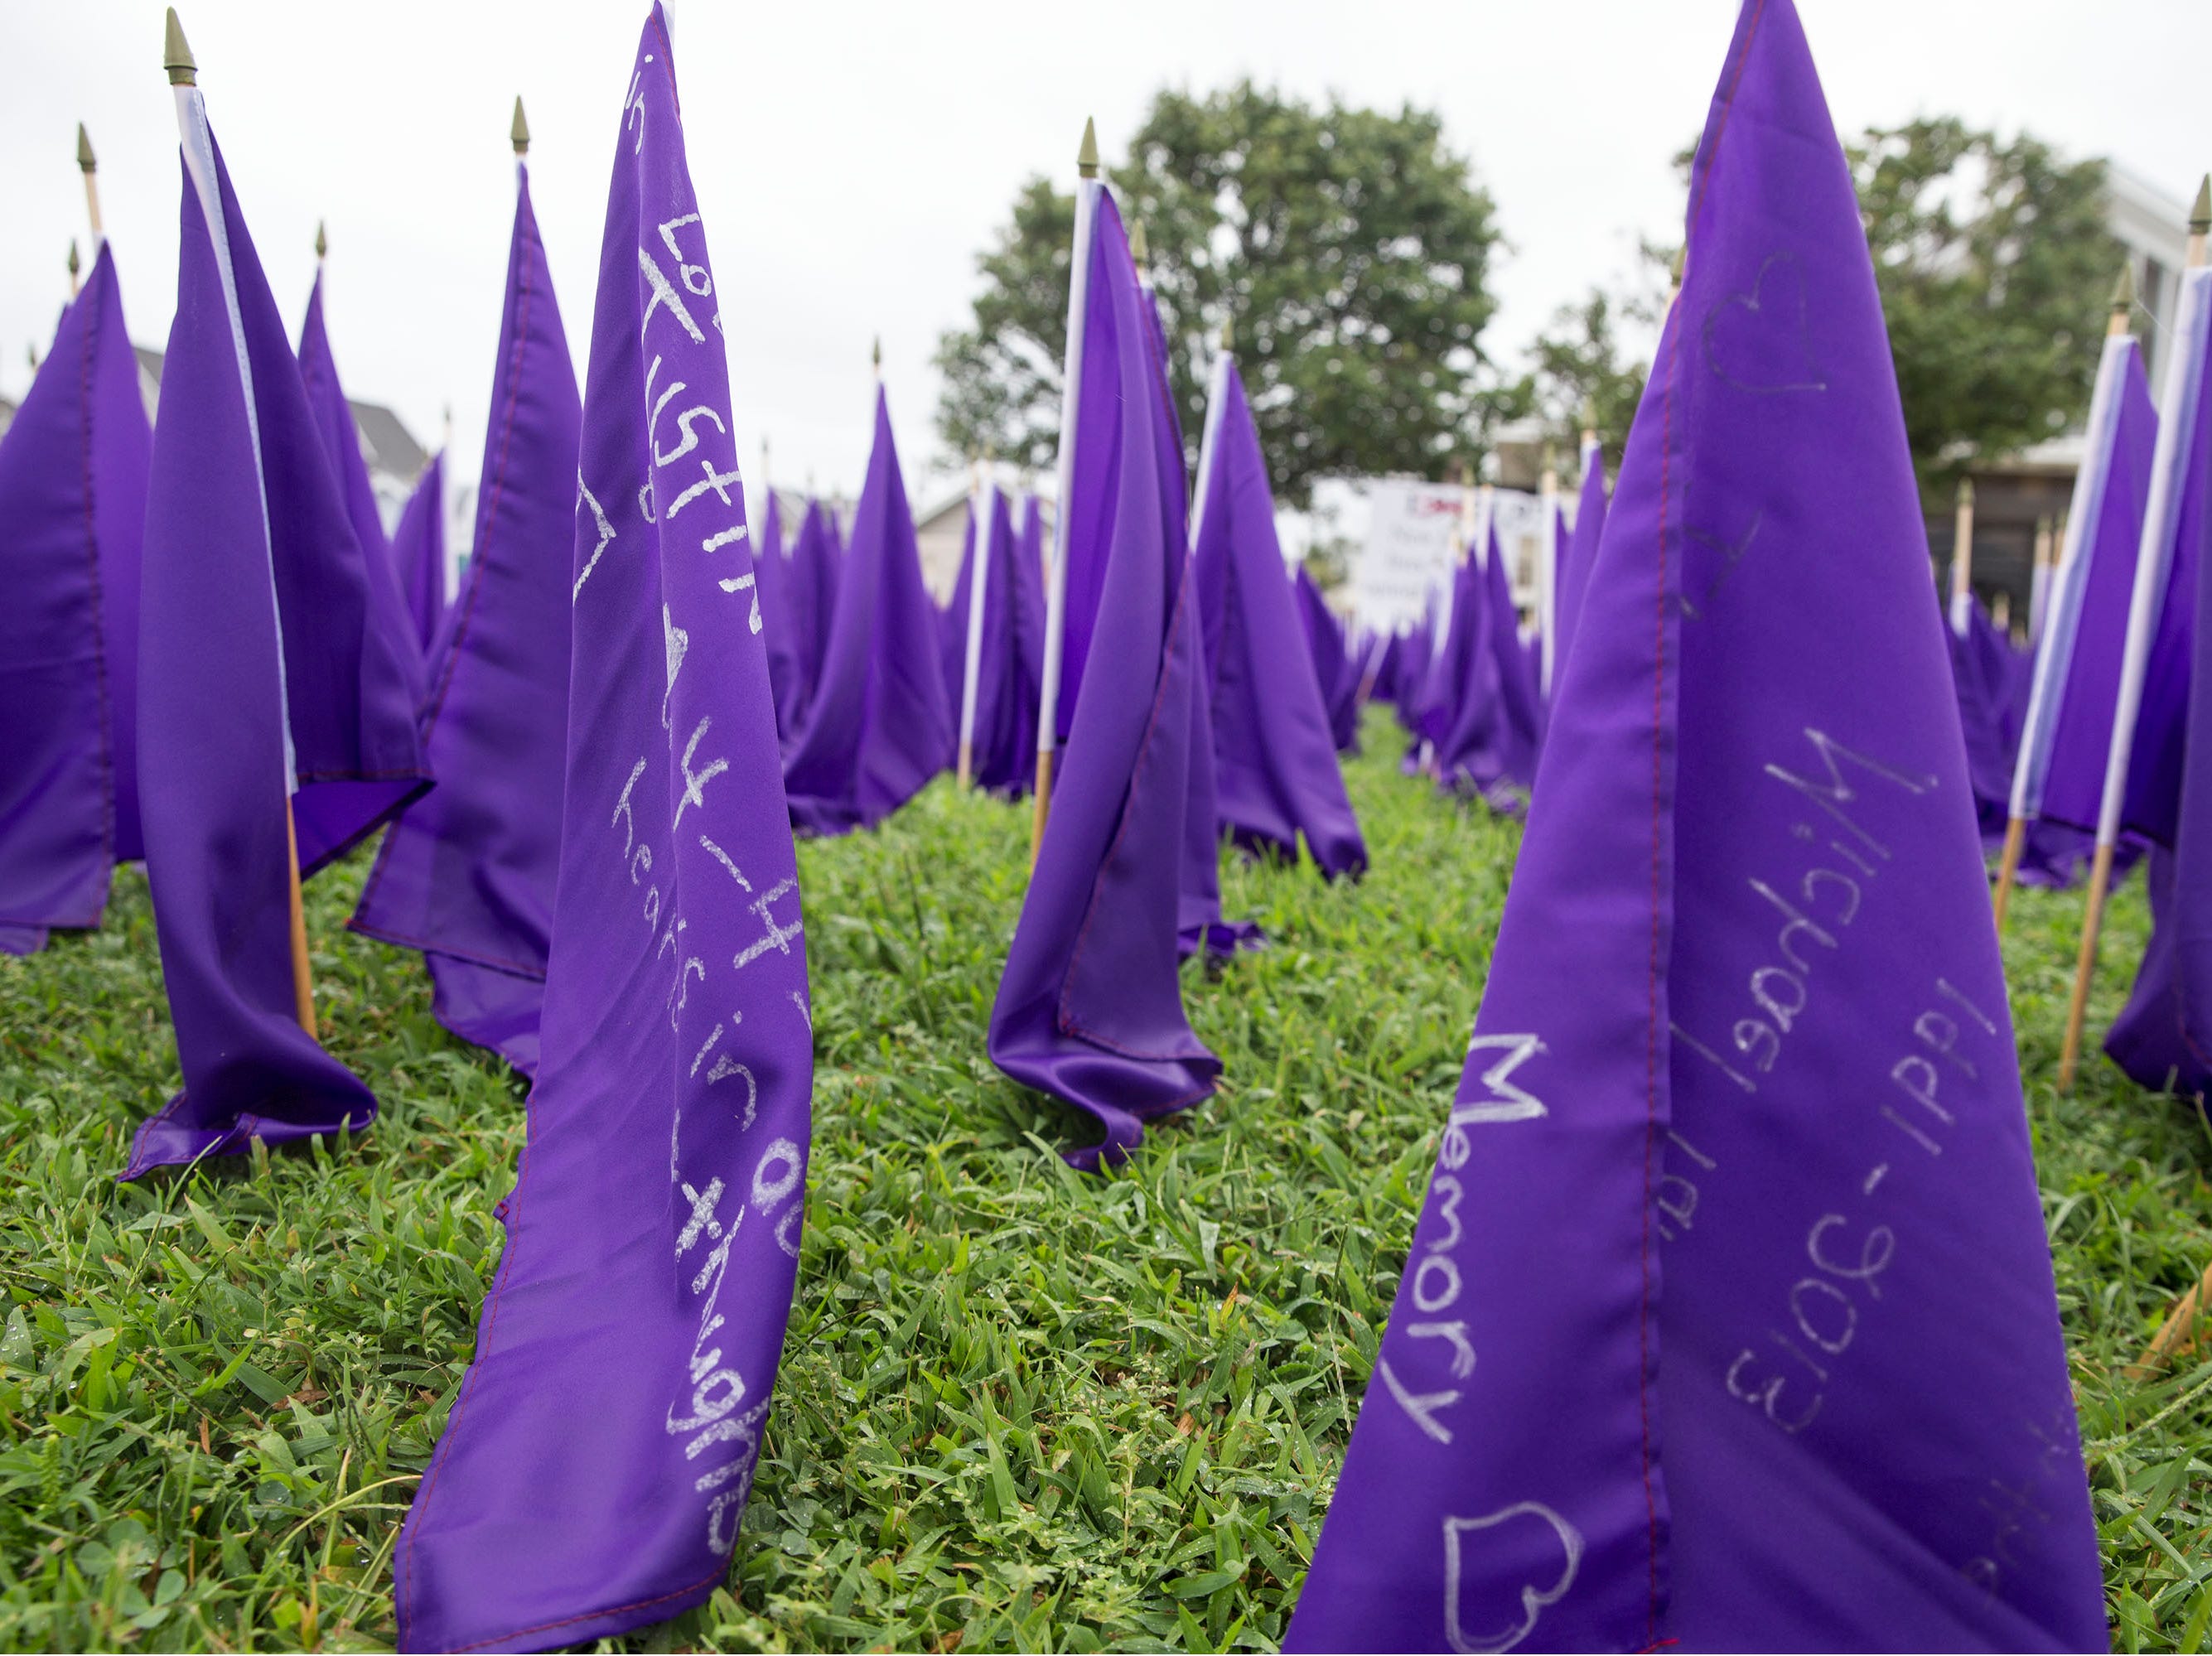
183 71
88 164
1071 393
1962 556
2055 632
2153 554
303 976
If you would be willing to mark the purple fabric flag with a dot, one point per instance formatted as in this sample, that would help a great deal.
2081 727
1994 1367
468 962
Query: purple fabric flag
247 542
1464 693
1090 1008
418 552
814 560
1519 727
779 622
1411 670
1010 662
1336 668
1738 1159
2164 1036
341 441
2066 778
595 1465
467 874
72 514
1580 557
877 726
1275 770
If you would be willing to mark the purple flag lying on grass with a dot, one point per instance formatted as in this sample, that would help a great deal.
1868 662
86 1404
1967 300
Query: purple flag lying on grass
72 512
1275 771
265 666
1336 667
877 727
341 441
595 1465
2164 1037
467 874
1090 1008
418 553
1578 561
1739 1160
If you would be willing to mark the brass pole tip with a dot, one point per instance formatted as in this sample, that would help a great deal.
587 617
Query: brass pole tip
1228 334
85 158
2200 214
322 241
177 56
2124 290
519 134
1087 157
73 266
1140 248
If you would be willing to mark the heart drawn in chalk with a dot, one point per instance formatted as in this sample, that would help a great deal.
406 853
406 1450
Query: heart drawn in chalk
1758 341
1502 1571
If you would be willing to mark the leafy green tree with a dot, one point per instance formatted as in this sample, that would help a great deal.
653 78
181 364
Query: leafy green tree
1347 246
1994 264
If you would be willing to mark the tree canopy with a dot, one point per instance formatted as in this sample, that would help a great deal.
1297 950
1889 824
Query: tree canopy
1348 247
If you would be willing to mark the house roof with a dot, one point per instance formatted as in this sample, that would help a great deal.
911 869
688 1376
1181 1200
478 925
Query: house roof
386 444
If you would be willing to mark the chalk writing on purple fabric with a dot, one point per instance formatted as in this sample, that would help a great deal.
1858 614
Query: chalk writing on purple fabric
1851 1251
1761 342
1552 1551
1812 905
1436 1283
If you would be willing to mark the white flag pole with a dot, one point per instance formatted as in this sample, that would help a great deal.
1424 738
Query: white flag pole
2154 561
1071 396
1216 394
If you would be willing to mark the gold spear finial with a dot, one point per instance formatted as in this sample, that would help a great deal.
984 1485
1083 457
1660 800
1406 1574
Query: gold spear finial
2200 212
1086 158
322 242
876 356
1228 334
73 266
177 56
520 132
1140 248
85 159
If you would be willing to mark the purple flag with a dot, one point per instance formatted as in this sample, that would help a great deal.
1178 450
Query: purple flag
1010 659
1275 771
72 512
418 552
877 726
1580 557
341 441
779 623
467 874
814 560
1463 694
595 1465
1090 1008
2164 1037
1336 668
1519 727
2065 779
1738 1159
264 667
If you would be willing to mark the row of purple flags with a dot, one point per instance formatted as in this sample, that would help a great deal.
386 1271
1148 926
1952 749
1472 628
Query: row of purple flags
1739 1157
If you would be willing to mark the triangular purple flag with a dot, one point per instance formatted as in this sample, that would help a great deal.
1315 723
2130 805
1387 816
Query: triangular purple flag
1090 1008
1739 1160
418 553
1009 656
1580 557
1275 771
2070 716
2164 1037
1337 667
247 545
814 561
595 1465
467 874
72 512
341 441
1520 717
877 727
1462 695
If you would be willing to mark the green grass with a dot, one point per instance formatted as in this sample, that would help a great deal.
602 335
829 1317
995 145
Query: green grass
1019 1408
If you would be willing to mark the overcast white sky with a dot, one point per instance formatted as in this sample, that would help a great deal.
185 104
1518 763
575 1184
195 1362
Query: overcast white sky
851 161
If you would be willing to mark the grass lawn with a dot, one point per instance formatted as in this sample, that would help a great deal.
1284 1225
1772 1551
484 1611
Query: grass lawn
1018 1408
